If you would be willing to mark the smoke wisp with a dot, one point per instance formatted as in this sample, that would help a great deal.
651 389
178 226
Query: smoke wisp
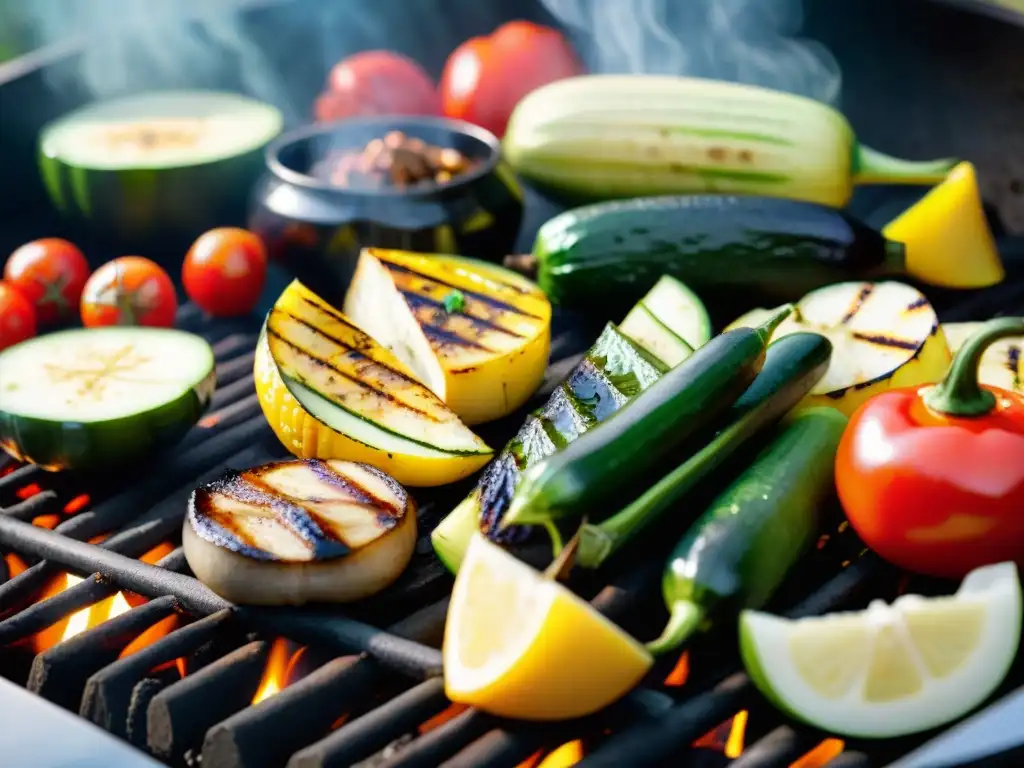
747 41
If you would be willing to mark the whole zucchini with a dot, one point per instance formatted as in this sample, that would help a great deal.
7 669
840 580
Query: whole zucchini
604 255
581 478
600 137
739 551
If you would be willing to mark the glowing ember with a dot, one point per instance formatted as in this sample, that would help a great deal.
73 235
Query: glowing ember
28 491
727 738
821 755
47 521
680 672
157 553
454 710
15 565
77 504
275 675
566 755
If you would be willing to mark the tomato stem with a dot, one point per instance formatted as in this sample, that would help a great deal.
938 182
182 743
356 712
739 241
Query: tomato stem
959 394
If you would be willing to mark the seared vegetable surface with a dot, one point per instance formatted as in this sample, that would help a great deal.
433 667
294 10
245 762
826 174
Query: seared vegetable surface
738 552
101 397
476 334
293 532
599 137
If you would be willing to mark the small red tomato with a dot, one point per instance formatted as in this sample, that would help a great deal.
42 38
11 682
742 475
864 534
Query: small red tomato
224 271
131 290
51 274
485 77
377 83
17 318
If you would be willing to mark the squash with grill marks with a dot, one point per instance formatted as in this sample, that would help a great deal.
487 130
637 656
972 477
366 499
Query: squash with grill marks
476 334
329 391
293 532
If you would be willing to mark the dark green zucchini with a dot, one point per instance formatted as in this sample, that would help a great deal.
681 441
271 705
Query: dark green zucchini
603 462
793 364
739 551
605 256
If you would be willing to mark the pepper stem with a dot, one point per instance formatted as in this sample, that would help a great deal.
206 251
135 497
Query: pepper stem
959 394
684 619
873 167
767 328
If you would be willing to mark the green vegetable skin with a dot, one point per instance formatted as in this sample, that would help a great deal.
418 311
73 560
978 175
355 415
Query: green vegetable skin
742 547
599 137
579 479
608 254
793 364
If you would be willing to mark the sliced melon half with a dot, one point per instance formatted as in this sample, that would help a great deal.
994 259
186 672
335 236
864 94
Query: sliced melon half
330 391
476 334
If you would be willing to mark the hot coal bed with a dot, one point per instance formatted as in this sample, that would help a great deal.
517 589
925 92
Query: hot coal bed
134 644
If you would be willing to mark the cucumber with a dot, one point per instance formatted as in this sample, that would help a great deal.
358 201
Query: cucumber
605 256
602 463
598 137
738 552
100 397
792 366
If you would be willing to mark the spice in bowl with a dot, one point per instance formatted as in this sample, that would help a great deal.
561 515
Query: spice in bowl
396 160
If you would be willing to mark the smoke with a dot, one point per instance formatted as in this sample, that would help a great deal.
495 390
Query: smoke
747 41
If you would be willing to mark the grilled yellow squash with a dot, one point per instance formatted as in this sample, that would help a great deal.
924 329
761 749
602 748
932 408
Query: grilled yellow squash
329 391
476 334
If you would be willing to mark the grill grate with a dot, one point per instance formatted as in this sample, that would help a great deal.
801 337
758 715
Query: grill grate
374 695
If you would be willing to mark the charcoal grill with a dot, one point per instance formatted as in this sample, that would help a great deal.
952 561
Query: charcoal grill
367 688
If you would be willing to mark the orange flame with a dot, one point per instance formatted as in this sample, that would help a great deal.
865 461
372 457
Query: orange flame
728 737
821 755
680 672
28 491
454 710
77 504
15 565
275 675
564 756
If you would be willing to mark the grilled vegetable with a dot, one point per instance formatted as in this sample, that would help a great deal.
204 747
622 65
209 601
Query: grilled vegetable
477 335
1000 364
737 554
294 532
947 237
579 479
158 166
890 670
329 391
933 479
612 136
885 335
615 370
669 322
792 365
102 397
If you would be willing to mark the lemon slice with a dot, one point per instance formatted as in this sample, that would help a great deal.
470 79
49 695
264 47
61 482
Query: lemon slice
1001 363
890 670
519 645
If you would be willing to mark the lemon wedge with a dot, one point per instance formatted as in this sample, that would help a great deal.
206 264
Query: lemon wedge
517 644
890 670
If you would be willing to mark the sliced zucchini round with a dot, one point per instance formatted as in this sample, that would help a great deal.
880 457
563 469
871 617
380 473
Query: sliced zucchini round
300 531
86 398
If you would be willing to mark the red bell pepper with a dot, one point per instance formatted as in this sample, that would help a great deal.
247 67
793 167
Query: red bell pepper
932 479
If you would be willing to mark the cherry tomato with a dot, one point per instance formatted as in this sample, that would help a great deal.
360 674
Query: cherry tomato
377 83
485 77
224 271
17 318
131 290
51 274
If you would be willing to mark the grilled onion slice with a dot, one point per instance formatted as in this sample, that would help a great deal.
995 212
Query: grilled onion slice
295 532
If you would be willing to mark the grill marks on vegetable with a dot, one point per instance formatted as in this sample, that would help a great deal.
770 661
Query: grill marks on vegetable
298 511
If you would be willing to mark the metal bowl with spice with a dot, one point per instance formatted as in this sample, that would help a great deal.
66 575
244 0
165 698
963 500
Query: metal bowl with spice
415 183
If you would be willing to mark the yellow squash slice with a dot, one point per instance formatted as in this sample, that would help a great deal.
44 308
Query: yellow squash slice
884 335
476 334
329 391
1000 363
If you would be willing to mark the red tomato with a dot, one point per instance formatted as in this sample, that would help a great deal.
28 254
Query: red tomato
130 290
485 77
224 271
17 318
51 274
377 83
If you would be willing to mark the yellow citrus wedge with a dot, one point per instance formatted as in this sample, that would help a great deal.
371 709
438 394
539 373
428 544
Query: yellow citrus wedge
890 670
519 645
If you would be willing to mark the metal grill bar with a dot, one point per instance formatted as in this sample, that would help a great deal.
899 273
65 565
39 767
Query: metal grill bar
851 760
31 507
108 692
179 716
59 673
325 629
